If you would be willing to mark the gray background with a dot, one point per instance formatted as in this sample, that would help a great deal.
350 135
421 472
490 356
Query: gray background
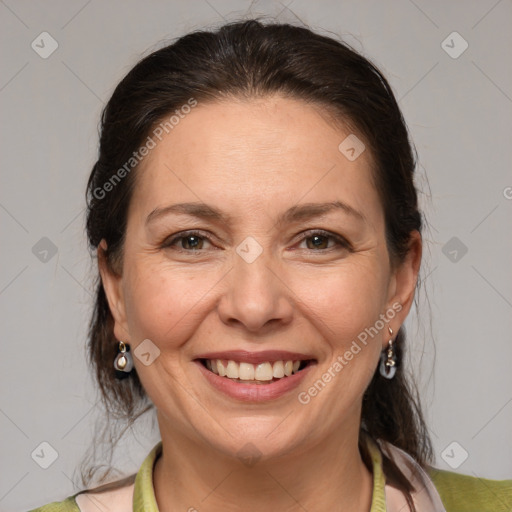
459 114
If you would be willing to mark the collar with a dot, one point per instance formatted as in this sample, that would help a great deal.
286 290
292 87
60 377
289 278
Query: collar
144 493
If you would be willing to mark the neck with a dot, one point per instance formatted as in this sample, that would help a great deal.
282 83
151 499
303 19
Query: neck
330 475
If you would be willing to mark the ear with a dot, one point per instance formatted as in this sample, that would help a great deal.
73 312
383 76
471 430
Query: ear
404 277
113 286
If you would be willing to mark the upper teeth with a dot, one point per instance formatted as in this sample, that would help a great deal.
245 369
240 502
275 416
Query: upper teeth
248 371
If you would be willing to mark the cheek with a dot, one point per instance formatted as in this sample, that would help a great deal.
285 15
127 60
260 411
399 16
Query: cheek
347 304
344 301
162 304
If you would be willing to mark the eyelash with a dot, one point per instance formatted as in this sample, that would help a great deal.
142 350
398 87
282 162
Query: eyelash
340 241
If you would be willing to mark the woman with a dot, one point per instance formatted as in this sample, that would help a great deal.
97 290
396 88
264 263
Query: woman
259 243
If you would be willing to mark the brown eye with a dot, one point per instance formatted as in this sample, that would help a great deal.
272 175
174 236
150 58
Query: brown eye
191 242
187 242
320 241
317 242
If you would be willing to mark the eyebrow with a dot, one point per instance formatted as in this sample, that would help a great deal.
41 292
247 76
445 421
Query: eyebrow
293 214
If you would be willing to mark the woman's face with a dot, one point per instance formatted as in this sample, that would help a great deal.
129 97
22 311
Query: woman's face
287 260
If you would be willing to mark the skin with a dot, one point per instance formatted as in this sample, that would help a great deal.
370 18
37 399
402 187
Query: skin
254 159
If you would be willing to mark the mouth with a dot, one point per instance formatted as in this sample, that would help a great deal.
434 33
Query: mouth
255 377
262 372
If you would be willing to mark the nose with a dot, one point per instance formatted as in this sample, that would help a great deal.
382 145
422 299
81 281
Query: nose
257 298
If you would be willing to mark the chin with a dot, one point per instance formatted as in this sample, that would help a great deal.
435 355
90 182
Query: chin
257 438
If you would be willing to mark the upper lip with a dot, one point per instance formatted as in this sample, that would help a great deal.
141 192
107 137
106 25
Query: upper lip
243 356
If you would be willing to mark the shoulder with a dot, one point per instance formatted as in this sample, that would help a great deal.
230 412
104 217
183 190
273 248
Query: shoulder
114 497
463 493
68 505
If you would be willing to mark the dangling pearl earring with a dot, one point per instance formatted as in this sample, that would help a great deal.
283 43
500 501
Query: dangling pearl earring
387 366
123 362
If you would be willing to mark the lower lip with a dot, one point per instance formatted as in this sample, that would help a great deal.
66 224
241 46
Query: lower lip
254 392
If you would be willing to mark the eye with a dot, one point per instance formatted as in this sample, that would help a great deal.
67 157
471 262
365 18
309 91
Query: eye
315 241
188 241
319 240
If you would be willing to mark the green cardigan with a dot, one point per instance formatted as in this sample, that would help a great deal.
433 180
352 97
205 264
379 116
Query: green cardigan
459 493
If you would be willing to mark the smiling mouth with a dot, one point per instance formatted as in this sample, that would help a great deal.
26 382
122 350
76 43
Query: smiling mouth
261 373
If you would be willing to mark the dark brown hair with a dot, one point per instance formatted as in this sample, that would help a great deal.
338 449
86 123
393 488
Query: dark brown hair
252 59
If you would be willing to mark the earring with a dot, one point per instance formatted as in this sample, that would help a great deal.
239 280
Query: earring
123 362
388 359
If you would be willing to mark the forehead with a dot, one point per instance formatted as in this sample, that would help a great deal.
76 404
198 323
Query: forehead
254 153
